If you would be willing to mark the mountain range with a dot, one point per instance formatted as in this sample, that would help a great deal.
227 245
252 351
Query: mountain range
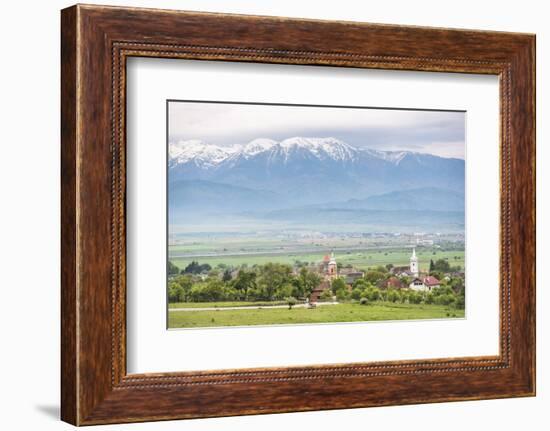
298 175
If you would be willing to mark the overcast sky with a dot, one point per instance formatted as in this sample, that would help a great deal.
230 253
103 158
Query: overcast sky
434 132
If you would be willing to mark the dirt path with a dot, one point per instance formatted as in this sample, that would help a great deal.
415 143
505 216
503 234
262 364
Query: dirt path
249 307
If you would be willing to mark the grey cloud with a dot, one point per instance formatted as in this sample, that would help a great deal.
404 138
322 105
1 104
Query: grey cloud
435 132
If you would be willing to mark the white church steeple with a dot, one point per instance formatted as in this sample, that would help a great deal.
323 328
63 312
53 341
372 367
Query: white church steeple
414 263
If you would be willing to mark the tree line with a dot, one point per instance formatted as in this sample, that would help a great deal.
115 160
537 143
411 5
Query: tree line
269 282
278 282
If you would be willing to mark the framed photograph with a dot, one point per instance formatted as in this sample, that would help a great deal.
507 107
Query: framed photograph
264 214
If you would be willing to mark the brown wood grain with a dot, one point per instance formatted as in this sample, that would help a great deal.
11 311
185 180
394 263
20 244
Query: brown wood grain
68 217
96 41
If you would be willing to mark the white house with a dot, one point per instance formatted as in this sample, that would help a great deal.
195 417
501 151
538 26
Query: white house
425 284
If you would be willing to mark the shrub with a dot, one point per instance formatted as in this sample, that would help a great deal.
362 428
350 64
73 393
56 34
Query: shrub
342 294
326 295
361 283
364 301
392 295
291 301
372 294
429 298
445 299
356 293
460 302
415 298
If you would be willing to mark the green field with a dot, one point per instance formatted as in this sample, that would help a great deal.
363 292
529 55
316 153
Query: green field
322 314
359 259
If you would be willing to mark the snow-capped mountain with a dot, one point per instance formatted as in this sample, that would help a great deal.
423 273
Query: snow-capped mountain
197 152
300 170
254 147
210 156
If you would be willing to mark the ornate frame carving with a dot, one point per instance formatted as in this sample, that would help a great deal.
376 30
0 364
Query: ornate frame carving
96 41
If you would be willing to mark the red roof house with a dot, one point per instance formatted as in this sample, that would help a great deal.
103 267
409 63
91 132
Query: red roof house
431 282
391 283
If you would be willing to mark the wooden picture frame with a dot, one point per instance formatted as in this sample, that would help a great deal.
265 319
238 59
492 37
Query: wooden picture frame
95 43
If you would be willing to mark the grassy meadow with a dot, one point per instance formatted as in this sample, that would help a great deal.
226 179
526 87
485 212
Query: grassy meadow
347 312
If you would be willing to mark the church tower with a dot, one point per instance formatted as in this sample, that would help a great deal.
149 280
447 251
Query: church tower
332 268
414 263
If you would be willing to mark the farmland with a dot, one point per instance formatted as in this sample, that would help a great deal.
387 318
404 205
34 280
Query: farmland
361 258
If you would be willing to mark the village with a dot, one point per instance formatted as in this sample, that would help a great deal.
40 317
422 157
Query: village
396 280
308 285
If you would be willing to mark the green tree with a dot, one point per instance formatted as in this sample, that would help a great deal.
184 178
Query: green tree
174 292
211 290
307 282
197 292
214 290
431 265
441 265
443 290
382 269
245 282
186 283
172 269
230 293
195 268
226 275
374 277
457 284
284 291
338 284
272 277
